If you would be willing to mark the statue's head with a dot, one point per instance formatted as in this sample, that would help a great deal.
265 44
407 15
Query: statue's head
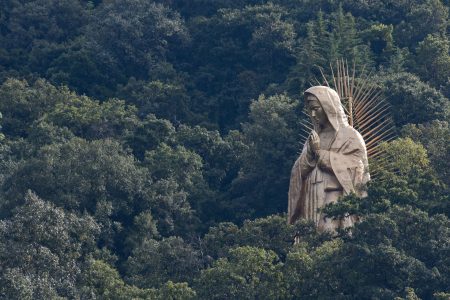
315 110
324 105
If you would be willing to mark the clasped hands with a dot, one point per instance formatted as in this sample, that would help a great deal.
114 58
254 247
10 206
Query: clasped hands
320 156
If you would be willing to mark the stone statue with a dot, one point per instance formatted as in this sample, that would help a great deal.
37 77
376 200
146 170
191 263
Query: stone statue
333 162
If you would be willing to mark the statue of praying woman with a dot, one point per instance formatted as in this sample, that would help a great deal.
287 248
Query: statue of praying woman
333 162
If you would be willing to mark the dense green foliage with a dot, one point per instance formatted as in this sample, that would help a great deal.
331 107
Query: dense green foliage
146 147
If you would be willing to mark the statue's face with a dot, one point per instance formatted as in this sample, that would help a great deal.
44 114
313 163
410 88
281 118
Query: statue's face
316 112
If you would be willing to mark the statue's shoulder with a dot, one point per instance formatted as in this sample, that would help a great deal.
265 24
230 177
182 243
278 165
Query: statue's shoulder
348 133
348 130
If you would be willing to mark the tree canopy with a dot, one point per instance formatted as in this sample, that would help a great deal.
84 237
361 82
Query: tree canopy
146 148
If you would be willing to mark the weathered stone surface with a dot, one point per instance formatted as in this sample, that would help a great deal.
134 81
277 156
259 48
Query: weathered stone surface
333 162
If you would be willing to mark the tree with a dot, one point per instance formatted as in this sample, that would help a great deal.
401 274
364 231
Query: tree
91 119
154 262
136 41
410 179
330 37
103 281
269 233
183 169
98 177
434 136
26 105
428 17
397 238
135 33
148 134
311 56
220 165
414 101
218 153
306 270
178 163
406 178
43 133
124 39
175 291
43 251
35 32
79 174
247 273
166 100
155 147
22 103
253 47
432 60
345 42
272 137
385 254
381 44
412 23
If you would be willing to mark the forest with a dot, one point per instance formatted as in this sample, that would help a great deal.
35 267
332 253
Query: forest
146 148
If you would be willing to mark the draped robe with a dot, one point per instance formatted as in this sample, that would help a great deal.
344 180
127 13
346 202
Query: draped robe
340 169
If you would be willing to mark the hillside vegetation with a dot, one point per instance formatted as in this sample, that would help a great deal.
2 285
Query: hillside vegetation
146 148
